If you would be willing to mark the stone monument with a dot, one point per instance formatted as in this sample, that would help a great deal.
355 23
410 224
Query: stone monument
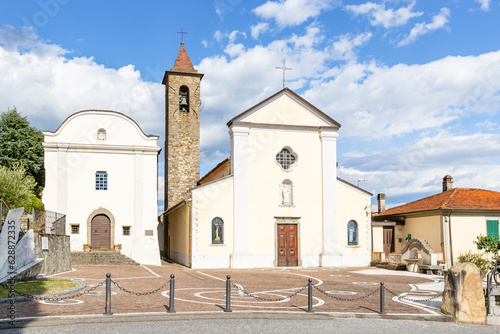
463 294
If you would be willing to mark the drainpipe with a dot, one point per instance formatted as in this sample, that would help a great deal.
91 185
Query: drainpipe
190 222
451 243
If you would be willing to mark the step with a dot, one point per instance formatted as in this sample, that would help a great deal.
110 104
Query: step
101 258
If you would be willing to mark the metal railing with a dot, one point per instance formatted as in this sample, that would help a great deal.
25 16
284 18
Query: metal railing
493 274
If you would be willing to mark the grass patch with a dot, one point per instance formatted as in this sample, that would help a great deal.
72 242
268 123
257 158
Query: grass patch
39 287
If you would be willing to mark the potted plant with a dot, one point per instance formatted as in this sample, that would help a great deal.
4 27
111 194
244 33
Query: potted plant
118 248
86 247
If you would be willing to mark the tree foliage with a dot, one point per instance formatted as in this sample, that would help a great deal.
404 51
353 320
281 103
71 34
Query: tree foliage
489 245
16 187
21 143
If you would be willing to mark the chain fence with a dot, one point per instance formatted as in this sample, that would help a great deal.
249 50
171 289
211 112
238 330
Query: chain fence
237 286
7 286
140 293
347 299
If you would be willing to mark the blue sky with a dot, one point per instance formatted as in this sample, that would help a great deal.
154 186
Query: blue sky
415 84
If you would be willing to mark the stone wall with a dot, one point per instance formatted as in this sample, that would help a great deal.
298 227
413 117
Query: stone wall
57 258
182 146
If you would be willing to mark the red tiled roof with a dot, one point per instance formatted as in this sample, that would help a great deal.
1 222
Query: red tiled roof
458 198
182 61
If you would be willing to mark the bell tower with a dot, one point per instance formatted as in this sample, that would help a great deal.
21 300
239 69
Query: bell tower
182 128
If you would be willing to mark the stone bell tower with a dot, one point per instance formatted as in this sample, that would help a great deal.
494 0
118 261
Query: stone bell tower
182 128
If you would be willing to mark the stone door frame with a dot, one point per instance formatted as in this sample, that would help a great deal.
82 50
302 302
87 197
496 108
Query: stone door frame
102 211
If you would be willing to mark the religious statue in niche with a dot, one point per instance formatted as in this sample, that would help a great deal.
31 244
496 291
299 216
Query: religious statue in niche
286 192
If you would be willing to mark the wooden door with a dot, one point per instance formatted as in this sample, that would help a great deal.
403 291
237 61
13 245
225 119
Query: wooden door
388 240
100 232
287 245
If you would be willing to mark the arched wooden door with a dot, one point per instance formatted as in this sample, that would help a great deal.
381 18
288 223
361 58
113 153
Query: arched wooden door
100 232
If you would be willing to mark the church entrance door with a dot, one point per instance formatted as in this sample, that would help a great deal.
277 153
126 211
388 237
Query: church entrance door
287 245
100 232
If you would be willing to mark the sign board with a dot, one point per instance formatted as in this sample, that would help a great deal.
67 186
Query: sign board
45 243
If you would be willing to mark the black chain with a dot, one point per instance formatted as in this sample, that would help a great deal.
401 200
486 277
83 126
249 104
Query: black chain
399 296
346 299
268 299
140 293
34 297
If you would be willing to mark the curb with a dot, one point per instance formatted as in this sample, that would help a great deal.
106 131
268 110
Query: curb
142 317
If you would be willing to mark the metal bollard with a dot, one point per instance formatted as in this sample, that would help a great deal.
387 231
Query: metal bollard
310 296
382 298
108 295
228 294
171 300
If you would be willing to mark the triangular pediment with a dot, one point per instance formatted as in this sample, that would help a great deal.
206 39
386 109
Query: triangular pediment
285 108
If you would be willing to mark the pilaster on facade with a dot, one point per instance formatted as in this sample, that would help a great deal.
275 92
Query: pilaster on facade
239 168
330 252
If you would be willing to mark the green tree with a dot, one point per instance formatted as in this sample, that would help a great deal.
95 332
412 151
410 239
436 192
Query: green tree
16 188
21 143
489 245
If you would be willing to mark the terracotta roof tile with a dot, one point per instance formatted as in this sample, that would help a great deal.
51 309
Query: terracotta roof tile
458 198
182 61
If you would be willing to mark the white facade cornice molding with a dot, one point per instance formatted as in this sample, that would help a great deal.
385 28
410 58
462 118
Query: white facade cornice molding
327 134
93 148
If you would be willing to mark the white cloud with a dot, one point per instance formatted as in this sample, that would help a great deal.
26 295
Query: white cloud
258 29
438 21
343 49
232 36
386 17
289 13
485 4
418 168
376 101
45 84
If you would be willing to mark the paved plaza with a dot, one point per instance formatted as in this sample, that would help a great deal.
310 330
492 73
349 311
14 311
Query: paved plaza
338 291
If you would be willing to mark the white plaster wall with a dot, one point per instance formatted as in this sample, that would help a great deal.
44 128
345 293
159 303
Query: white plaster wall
212 200
286 111
354 205
465 229
265 177
71 161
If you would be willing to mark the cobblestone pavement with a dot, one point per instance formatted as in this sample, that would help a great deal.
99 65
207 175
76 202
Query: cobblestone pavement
204 291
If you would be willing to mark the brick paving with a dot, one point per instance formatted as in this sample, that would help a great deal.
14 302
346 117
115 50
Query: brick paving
204 291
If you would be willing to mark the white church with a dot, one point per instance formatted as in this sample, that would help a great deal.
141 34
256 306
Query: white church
101 171
275 202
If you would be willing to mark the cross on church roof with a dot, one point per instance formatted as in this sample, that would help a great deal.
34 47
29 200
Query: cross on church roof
182 34
284 68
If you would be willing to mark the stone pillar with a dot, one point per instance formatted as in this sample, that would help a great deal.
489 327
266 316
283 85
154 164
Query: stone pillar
463 294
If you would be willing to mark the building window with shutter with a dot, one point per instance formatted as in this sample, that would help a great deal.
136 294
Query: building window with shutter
492 228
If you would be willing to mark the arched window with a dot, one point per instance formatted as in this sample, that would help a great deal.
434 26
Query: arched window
352 233
101 134
286 193
217 231
286 158
184 98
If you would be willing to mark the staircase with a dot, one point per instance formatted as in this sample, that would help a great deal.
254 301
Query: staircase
494 317
107 258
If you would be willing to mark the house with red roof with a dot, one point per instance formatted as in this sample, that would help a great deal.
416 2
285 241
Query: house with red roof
449 221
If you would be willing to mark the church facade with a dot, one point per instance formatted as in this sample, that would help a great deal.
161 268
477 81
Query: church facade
275 202
101 171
